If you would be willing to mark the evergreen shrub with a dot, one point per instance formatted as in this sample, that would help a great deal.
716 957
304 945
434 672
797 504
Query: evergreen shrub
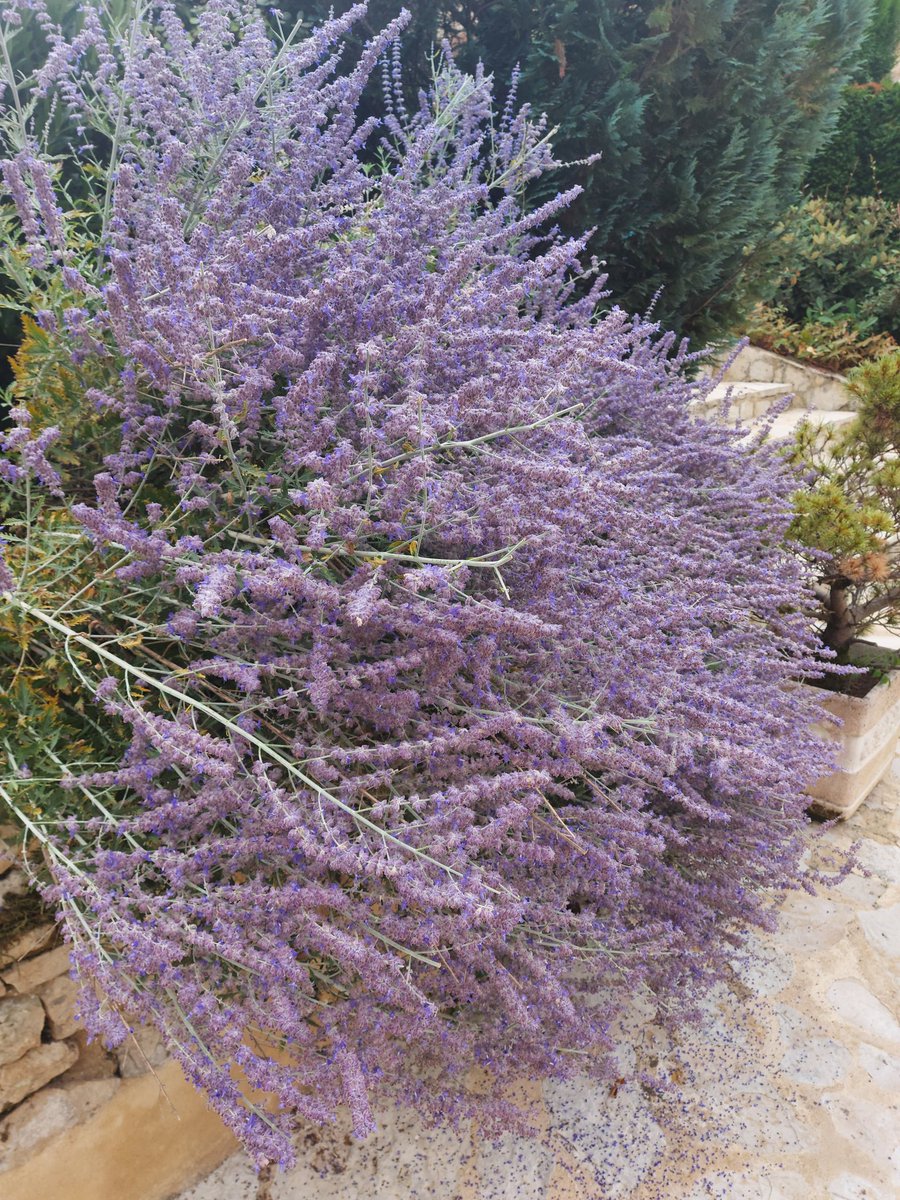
863 156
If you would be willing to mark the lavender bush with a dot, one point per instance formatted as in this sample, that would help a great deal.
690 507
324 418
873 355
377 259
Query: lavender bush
428 665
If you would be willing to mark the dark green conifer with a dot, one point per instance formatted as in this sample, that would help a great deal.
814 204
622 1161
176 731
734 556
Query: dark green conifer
706 113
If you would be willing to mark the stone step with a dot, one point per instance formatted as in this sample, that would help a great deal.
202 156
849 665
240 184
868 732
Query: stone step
746 401
811 386
786 424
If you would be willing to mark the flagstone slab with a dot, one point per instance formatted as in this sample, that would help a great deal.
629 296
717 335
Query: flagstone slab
882 929
820 1062
872 1128
882 1068
856 1006
881 858
854 1187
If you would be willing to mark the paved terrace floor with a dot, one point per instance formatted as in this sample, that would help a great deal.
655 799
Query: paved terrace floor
790 1091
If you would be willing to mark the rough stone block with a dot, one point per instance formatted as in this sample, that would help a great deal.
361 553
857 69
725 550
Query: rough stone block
810 385
809 924
94 1061
863 891
21 1024
86 1096
32 941
881 858
819 1062
855 1187
138 1059
48 1113
592 1132
35 1121
34 1070
761 970
58 998
759 371
740 1185
13 883
871 1127
30 974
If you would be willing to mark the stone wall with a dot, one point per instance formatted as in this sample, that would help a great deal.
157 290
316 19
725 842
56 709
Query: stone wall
59 1091
811 387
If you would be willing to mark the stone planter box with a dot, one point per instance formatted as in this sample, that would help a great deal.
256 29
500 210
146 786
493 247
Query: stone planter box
868 739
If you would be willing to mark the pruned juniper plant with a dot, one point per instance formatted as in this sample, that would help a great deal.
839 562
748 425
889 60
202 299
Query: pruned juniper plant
848 517
400 675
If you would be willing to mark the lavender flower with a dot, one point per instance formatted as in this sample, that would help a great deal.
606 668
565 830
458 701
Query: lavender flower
455 657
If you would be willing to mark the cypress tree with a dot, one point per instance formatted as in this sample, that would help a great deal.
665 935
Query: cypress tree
882 41
705 114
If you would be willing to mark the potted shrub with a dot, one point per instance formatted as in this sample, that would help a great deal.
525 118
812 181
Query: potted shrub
849 517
